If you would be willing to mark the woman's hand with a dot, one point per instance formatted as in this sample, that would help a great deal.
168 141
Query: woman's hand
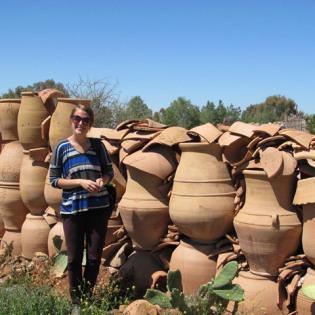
100 182
89 185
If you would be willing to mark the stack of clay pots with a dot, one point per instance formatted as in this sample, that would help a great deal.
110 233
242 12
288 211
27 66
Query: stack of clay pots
305 197
12 208
33 127
202 207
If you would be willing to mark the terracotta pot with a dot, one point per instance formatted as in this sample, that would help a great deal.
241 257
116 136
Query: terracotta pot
140 265
10 162
33 121
9 109
110 237
60 127
13 237
12 209
58 234
53 196
32 182
202 200
144 209
308 233
304 304
267 226
260 294
34 234
191 259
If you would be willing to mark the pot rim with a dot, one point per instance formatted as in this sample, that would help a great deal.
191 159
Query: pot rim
10 100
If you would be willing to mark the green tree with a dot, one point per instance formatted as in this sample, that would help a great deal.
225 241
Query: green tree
37 86
310 123
181 112
274 108
137 109
208 113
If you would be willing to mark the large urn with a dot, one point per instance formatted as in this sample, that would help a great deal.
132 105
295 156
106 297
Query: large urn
33 120
267 226
304 304
9 109
202 200
60 127
12 209
32 183
53 196
192 260
260 294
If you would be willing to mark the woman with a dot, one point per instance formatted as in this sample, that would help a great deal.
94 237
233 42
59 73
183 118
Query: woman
81 167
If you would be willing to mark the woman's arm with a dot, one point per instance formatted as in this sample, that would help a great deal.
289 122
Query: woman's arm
89 185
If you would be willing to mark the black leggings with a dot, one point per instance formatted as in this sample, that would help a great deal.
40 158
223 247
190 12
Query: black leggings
90 226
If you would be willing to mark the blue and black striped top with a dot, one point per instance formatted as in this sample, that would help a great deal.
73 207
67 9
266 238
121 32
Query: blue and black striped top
67 162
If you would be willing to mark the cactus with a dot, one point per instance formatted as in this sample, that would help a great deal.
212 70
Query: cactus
219 288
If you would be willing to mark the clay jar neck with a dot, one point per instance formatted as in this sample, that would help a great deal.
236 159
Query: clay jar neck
142 185
205 249
201 160
30 101
268 195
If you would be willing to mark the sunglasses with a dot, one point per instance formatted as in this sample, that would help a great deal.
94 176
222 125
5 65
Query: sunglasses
77 119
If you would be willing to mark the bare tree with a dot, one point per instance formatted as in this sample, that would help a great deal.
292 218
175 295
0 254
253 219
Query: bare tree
104 99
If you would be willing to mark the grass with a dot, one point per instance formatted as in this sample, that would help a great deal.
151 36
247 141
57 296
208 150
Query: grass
21 295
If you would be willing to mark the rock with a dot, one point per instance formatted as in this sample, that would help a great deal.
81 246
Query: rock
140 307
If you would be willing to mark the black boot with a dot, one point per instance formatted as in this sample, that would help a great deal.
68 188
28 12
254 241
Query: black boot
75 295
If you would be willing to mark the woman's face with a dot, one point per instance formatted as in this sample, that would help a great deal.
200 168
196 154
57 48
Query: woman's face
80 122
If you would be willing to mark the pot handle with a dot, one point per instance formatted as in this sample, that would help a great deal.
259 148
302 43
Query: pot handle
275 220
45 128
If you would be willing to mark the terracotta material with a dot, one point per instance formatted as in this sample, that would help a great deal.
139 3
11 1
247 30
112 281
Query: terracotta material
9 109
237 152
267 226
271 160
289 164
227 138
12 209
272 141
208 132
32 182
33 121
141 307
34 235
56 232
192 260
269 129
159 161
52 195
60 127
169 137
309 231
304 304
306 170
112 135
202 200
305 191
260 294
13 237
144 209
10 162
243 129
303 138
47 94
140 265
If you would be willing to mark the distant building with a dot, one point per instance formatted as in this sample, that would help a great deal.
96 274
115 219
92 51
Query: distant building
295 122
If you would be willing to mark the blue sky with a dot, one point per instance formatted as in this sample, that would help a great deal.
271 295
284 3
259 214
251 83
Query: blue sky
238 51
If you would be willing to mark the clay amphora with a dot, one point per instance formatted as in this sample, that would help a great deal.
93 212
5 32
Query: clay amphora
304 304
12 209
10 162
140 265
9 109
260 294
191 259
34 234
14 238
308 233
32 182
267 226
58 234
202 200
60 127
144 209
33 121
